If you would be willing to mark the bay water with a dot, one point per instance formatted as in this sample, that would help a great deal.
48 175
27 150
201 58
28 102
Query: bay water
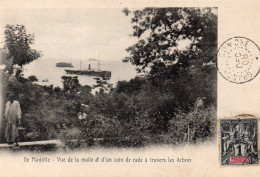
45 69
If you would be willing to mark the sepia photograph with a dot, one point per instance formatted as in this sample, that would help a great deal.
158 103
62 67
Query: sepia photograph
122 88
114 78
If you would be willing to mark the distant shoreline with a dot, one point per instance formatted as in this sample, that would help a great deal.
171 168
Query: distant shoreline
64 64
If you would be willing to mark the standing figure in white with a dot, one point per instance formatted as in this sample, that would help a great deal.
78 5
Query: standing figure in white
13 119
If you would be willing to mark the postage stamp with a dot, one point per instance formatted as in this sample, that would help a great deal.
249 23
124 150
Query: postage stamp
239 60
239 141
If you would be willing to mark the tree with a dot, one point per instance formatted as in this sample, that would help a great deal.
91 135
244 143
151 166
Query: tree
18 46
178 46
33 78
180 37
70 84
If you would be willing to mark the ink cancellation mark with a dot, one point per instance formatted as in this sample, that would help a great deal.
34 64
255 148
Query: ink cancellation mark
239 60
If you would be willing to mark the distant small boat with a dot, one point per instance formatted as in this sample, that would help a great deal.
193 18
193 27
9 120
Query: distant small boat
64 64
92 59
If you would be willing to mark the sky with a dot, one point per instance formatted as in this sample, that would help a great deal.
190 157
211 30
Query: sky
68 34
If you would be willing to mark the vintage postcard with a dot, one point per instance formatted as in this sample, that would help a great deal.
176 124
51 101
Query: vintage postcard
129 88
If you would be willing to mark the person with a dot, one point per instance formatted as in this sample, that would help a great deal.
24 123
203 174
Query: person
248 138
13 118
199 104
230 139
240 129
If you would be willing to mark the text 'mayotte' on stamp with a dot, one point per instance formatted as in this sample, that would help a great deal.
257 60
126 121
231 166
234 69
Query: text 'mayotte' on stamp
239 60
239 141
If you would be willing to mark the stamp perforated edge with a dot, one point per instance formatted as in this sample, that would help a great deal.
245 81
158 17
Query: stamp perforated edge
242 116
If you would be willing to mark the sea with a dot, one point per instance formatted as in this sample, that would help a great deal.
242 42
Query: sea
45 70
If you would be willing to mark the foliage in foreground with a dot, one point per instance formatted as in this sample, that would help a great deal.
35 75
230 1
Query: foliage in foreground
128 115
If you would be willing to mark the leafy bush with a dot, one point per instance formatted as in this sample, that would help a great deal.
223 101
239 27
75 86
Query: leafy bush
33 78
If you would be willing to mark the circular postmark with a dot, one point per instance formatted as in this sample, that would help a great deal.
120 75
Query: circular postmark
239 60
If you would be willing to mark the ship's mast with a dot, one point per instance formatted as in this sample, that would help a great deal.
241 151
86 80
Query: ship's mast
98 65
80 64
98 59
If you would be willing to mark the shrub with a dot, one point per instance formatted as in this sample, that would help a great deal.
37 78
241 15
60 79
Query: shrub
33 78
